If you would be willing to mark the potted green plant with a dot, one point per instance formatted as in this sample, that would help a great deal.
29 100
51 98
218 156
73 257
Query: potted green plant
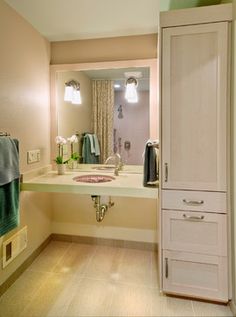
60 161
74 156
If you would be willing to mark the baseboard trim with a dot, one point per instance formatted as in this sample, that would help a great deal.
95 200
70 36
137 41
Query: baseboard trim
15 275
232 306
105 232
104 241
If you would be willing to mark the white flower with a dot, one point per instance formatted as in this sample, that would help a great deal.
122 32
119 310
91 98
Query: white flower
73 139
60 140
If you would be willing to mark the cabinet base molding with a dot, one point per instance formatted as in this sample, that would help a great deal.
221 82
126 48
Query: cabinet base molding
199 299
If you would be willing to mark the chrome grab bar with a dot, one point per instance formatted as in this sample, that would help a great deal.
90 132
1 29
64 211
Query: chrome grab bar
193 202
194 218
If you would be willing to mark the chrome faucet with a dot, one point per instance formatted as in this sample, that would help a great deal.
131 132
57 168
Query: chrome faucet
116 158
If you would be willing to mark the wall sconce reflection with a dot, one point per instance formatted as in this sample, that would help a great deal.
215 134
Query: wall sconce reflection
72 92
131 90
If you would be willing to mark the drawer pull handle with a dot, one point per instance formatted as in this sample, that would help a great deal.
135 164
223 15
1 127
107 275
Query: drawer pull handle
193 202
166 172
194 218
166 268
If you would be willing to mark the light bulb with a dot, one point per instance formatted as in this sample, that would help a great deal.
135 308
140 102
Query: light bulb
68 93
131 93
76 97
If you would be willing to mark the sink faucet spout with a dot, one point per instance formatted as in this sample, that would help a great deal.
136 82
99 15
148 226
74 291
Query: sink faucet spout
116 158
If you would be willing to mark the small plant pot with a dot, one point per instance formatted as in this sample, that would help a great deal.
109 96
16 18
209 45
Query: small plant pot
61 169
73 164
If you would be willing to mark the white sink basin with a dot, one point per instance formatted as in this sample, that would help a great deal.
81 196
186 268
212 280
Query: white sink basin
93 178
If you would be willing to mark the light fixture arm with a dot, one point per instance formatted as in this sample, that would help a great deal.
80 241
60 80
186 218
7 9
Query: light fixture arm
73 83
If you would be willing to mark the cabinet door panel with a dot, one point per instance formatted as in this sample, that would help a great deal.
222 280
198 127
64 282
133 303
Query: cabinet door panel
195 275
194 91
194 232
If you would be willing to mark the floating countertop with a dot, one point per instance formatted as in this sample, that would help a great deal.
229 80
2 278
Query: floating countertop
129 183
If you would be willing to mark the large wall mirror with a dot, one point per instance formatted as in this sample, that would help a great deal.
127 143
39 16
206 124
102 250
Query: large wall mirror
121 126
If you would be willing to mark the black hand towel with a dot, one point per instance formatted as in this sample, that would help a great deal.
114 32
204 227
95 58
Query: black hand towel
150 165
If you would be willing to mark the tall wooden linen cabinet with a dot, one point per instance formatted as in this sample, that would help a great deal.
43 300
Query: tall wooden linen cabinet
194 184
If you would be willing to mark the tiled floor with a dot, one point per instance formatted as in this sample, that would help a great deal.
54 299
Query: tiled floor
70 279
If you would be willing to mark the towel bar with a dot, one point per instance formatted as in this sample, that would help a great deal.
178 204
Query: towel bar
154 144
4 134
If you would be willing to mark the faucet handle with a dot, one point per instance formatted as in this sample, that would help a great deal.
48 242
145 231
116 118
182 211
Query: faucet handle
121 165
116 171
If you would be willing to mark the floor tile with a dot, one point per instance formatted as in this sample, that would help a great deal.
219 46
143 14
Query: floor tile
154 270
92 298
131 300
171 306
208 309
159 305
75 259
53 298
105 263
72 279
50 256
19 295
136 267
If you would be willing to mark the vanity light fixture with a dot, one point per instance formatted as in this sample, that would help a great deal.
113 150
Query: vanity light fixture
72 92
131 90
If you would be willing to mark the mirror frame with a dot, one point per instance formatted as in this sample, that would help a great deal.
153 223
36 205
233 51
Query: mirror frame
153 101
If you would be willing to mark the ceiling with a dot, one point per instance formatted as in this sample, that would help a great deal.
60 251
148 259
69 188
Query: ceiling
60 20
63 20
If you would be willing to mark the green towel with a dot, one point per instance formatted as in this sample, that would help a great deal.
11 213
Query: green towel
88 157
9 160
9 184
9 206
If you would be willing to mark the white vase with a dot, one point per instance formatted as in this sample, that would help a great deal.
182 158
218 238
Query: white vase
61 169
73 164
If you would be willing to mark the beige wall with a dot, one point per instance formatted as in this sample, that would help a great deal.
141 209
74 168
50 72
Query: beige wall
74 118
132 219
105 49
24 113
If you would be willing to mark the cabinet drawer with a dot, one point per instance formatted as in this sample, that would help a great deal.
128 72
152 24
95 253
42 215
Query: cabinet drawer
194 232
194 200
195 275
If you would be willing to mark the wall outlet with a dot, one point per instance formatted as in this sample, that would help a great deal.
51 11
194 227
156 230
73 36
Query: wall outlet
33 156
14 246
